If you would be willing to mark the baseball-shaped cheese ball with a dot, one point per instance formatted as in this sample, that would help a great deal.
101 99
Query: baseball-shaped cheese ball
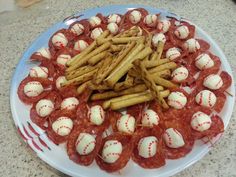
59 40
112 150
62 126
163 25
147 146
44 52
63 58
60 80
44 107
95 21
150 118
177 100
200 121
182 32
33 88
213 82
191 45
85 143
96 115
173 53
80 45
96 32
114 18
113 28
69 103
180 74
206 98
158 37
126 124
39 71
77 29
150 20
135 16
204 61
173 138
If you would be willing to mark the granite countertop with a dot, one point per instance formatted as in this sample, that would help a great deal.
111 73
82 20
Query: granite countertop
19 28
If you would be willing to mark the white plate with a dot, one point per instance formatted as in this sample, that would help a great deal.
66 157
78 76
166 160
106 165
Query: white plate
56 155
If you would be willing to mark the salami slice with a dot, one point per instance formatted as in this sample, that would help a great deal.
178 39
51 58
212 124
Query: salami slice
127 149
227 81
49 65
204 46
158 159
220 102
136 111
85 24
71 145
113 116
56 138
68 91
184 129
29 100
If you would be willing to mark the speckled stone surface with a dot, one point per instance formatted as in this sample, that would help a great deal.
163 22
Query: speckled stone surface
19 28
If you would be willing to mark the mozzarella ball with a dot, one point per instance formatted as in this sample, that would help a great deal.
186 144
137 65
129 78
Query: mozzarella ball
69 103
39 71
200 121
173 138
163 25
44 52
77 29
80 45
182 32
95 21
173 53
126 124
96 115
33 88
206 98
85 143
179 74
191 45
135 16
112 150
150 118
158 37
213 82
147 146
177 100
44 107
96 32
113 28
60 80
204 61
63 59
62 126
59 40
114 18
150 20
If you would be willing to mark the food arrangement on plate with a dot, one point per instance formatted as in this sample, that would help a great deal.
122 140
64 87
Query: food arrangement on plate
134 86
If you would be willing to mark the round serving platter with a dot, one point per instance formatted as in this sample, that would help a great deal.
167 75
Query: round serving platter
55 155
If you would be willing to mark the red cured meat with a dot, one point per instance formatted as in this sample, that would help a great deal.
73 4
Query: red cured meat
158 159
85 24
71 145
113 116
127 149
49 65
220 102
184 129
29 100
227 81
204 46
136 111
68 91
56 138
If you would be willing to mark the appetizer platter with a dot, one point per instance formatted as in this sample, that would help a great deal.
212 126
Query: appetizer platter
122 90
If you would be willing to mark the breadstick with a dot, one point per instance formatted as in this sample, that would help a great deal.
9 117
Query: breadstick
170 65
82 70
82 87
160 47
165 83
154 63
163 74
124 40
117 48
95 59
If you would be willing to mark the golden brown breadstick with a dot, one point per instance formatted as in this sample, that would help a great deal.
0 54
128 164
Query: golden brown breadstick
80 71
117 48
154 63
124 40
83 87
163 82
95 59
160 47
163 74
170 65
93 86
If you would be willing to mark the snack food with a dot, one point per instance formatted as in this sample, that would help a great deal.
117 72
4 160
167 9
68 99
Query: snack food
135 62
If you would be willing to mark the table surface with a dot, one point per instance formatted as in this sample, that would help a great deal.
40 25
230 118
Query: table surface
19 28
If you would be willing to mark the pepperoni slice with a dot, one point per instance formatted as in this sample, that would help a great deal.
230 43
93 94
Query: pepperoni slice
204 46
216 128
184 129
227 81
136 111
29 100
41 121
127 149
84 97
220 102
85 24
71 145
68 91
49 65
113 116
158 159
103 18
56 138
